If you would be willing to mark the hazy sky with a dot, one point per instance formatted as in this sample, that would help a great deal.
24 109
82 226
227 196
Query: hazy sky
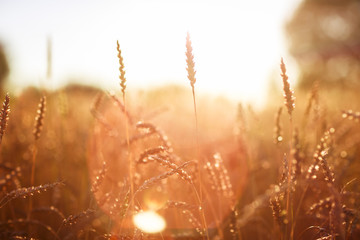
237 44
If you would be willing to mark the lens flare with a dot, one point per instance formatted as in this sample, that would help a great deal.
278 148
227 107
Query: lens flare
149 222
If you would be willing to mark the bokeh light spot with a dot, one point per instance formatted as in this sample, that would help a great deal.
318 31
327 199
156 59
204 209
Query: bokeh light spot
149 222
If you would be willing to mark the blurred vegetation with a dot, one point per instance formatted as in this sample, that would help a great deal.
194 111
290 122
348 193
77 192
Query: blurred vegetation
324 38
4 67
83 150
75 142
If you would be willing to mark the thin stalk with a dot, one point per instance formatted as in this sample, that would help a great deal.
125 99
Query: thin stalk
213 211
288 203
298 211
201 211
197 143
307 229
290 105
191 76
128 147
129 158
39 122
12 211
249 159
200 195
32 177
131 168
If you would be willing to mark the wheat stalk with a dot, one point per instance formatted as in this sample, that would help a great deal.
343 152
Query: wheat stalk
290 105
121 106
4 116
224 178
191 76
313 102
26 192
296 156
351 115
152 129
39 122
39 119
123 87
278 213
322 150
10 177
288 93
99 178
181 205
320 205
165 162
190 62
278 138
144 156
73 219
121 69
154 180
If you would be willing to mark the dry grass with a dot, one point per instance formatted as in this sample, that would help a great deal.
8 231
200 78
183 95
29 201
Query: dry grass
233 182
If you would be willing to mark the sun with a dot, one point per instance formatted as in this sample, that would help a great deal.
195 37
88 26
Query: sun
149 222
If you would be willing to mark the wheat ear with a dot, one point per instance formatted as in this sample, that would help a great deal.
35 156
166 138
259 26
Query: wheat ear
288 93
39 119
351 115
26 192
157 179
121 69
4 116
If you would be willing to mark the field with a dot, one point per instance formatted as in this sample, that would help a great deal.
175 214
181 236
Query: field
81 163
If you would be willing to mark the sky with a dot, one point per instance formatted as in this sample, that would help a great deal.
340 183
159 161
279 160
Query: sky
237 44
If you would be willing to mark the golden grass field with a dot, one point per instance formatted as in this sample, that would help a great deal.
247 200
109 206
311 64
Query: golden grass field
83 163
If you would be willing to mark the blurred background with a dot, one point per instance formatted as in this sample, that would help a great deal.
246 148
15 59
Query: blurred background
324 39
66 50
237 44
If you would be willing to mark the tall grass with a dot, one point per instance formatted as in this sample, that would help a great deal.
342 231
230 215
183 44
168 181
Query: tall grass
246 177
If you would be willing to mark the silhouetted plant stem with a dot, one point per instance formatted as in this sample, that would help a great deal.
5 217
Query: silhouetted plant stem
32 177
191 76
39 122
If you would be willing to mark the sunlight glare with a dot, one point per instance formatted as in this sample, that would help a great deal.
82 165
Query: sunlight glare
236 45
149 222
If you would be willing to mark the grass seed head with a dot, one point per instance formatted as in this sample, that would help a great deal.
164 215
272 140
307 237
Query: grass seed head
39 119
190 61
4 115
121 69
288 93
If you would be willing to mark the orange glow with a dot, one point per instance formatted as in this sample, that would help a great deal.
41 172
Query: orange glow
149 222
155 198
227 36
